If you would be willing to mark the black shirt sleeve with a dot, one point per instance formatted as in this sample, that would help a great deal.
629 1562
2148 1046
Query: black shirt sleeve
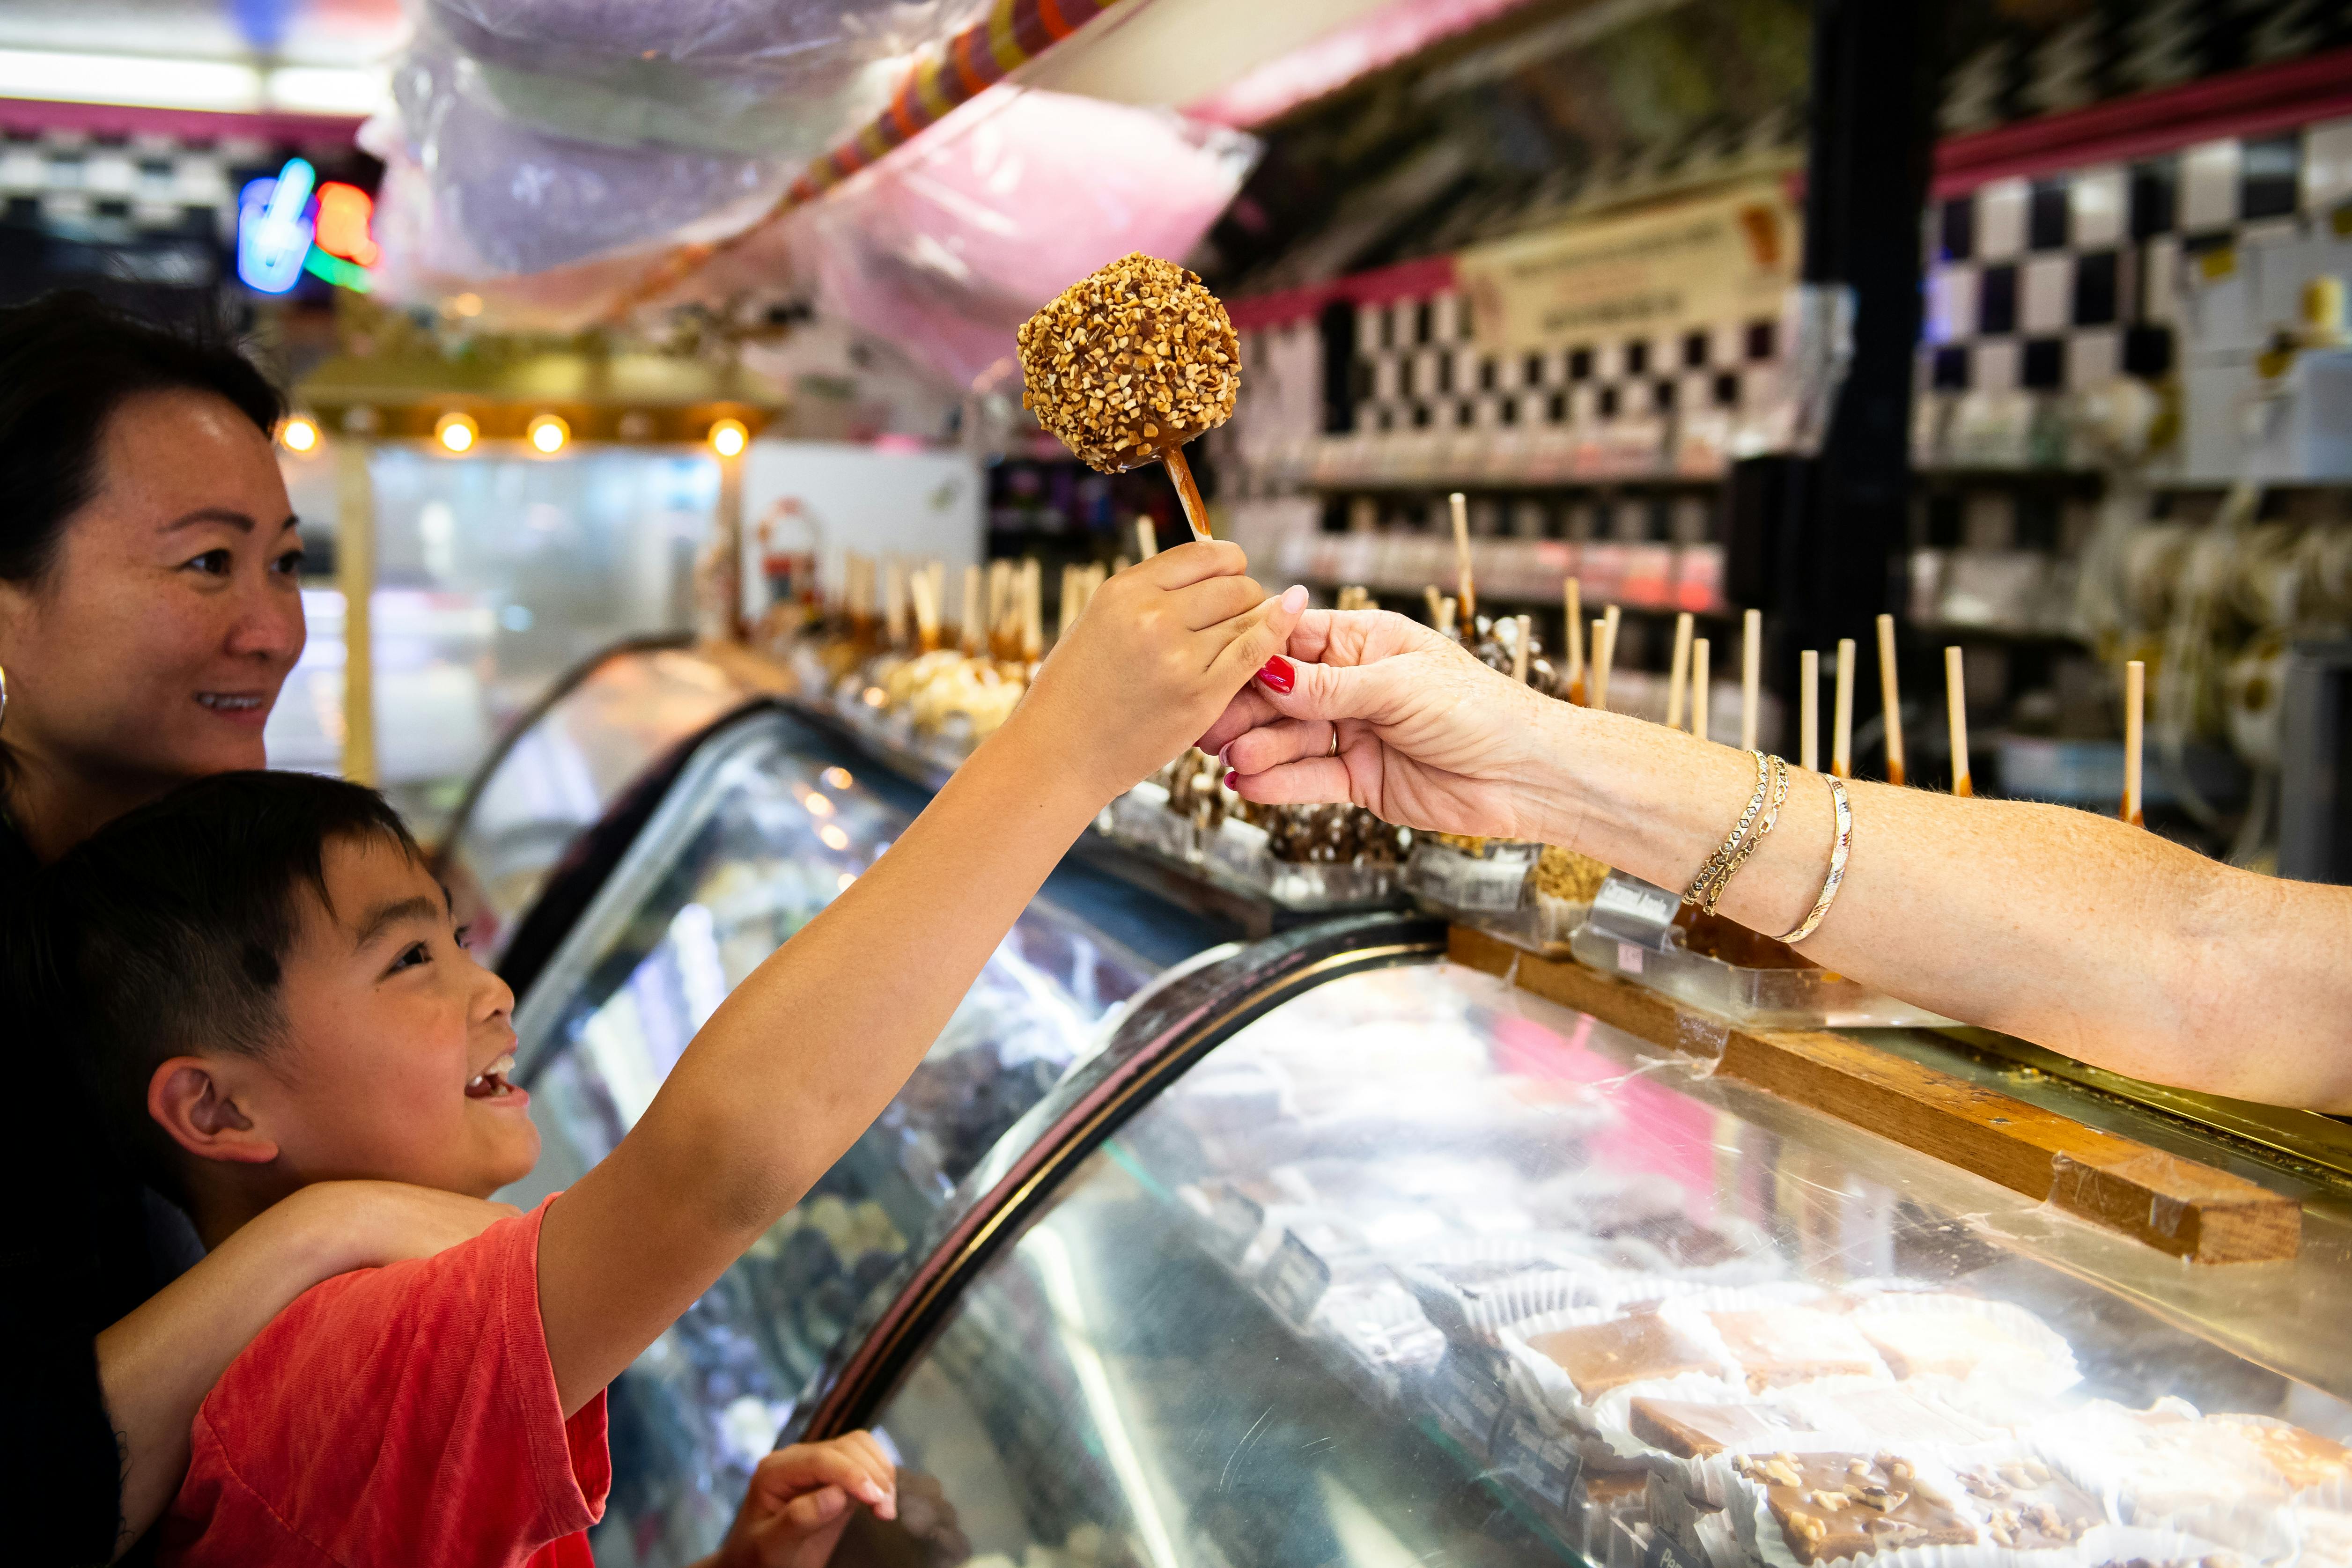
73 1257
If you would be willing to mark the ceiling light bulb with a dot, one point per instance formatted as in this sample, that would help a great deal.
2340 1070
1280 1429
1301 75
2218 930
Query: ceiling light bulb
300 434
727 436
457 431
547 432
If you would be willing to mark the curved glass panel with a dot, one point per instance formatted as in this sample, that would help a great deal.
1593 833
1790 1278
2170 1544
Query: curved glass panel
767 825
562 774
1421 1269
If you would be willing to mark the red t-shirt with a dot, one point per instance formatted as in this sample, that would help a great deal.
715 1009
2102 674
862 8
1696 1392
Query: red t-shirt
398 1416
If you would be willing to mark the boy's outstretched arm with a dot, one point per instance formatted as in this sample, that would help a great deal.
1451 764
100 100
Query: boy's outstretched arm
810 1048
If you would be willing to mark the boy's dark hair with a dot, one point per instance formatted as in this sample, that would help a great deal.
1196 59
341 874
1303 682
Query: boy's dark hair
166 933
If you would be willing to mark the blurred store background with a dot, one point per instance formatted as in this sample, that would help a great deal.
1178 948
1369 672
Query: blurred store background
2021 318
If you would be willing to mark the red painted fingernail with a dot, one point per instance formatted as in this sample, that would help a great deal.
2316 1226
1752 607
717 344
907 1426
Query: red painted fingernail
1278 676
1230 776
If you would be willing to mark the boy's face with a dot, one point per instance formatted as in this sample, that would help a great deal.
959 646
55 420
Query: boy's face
397 1042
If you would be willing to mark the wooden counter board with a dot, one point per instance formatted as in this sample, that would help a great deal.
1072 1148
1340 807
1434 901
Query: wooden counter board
2175 1205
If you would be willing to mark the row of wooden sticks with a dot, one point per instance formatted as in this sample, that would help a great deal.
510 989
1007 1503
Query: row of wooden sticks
1690 677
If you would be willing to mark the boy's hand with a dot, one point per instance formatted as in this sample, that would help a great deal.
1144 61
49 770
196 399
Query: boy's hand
1161 649
799 1500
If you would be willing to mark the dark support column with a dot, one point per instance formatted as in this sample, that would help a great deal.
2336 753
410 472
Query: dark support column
1838 557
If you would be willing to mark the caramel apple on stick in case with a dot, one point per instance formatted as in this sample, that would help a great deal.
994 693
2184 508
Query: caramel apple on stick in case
1679 671
1604 654
1842 716
1809 711
1572 591
2135 703
1752 677
1130 363
1956 700
1700 676
971 632
1890 698
1466 588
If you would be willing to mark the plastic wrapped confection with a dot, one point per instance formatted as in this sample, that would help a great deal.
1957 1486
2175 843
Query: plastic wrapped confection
950 243
503 195
719 58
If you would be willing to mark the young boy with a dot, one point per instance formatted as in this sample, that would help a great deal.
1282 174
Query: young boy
264 982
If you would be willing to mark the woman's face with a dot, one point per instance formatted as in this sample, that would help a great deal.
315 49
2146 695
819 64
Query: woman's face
153 649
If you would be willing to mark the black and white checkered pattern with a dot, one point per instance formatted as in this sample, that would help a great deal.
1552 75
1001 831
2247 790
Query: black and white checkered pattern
2117 48
2061 282
1419 368
70 182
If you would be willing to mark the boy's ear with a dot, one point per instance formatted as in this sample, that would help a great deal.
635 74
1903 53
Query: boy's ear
198 1111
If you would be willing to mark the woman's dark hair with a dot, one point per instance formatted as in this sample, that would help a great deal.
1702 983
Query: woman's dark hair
68 360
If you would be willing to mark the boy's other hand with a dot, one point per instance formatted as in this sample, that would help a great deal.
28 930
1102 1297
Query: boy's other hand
1160 650
799 1498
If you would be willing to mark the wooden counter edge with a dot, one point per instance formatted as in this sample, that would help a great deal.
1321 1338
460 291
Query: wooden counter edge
2175 1205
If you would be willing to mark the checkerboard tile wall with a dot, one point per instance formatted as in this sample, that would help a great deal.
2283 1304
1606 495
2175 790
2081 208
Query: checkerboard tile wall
1419 367
2063 281
68 181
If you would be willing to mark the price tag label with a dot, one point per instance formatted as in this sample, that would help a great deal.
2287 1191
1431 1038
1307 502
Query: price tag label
1635 911
1296 1278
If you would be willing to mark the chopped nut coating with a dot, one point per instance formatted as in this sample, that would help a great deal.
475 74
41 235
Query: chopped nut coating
1130 363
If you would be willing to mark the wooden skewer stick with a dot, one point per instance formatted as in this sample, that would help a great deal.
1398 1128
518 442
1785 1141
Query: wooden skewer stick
1196 510
1604 654
1842 713
894 599
1465 587
1147 536
1436 600
1032 605
919 589
1752 677
1956 698
1680 671
1699 688
1890 698
1808 710
1519 651
2135 703
973 633
1573 593
1445 608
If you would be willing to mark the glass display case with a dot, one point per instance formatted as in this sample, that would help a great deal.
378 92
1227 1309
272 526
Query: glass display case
561 767
763 823
1341 1253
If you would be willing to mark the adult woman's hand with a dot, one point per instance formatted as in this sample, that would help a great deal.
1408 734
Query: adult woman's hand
1429 737
157 1364
2104 942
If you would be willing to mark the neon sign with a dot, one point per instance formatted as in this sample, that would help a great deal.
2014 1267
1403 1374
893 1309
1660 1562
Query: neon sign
287 225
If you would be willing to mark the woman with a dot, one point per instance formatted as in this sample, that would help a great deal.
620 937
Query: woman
149 612
2103 942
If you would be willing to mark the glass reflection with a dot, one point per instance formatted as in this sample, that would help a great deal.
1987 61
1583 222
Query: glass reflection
1418 1268
748 866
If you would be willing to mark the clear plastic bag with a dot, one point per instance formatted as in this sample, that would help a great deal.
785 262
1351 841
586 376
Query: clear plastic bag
950 244
483 193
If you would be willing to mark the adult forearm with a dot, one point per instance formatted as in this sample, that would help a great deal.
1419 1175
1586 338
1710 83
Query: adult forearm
156 1365
2104 942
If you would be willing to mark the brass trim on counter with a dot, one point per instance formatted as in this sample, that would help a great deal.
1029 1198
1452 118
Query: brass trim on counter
2175 1205
2307 1137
